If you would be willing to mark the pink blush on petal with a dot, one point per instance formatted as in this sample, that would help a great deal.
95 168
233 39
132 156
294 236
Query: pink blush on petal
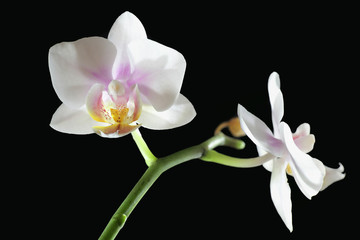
123 72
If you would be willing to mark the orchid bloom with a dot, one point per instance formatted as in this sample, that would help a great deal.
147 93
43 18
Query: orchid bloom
289 151
113 86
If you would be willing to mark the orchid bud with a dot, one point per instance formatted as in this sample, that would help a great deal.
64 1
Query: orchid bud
234 127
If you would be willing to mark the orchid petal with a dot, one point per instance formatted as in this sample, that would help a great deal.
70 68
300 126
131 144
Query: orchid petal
260 151
301 131
125 29
308 172
115 130
181 113
269 165
305 143
259 133
159 72
276 101
134 104
74 121
333 175
303 139
76 66
94 103
280 192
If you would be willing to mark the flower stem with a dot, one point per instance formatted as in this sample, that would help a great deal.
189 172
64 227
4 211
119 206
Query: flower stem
154 171
143 147
215 157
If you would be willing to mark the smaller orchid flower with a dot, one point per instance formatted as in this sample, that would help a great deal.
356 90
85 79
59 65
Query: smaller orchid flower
113 86
289 151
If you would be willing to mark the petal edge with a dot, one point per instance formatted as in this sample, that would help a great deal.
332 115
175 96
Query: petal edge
181 113
333 175
72 121
276 101
281 192
307 171
159 72
75 66
259 133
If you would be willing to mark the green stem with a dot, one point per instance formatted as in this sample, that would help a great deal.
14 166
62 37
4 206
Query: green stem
144 149
215 157
154 171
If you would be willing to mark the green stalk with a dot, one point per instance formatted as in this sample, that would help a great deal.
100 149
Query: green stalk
155 169
215 157
144 149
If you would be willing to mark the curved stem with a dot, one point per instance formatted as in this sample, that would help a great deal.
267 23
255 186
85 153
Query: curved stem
213 156
155 169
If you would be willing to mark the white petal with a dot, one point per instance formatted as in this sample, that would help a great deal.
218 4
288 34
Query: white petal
76 66
280 192
307 171
303 139
276 101
259 133
333 175
302 130
269 165
74 121
135 104
94 103
305 143
159 72
181 113
125 29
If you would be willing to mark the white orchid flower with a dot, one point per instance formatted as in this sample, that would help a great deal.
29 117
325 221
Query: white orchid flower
289 153
113 86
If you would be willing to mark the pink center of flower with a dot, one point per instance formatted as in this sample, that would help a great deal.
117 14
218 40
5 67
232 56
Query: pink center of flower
117 105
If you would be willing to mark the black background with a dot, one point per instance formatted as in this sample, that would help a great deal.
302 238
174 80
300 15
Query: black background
71 185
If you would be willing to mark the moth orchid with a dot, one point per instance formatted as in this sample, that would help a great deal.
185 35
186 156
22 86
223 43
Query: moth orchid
113 86
289 151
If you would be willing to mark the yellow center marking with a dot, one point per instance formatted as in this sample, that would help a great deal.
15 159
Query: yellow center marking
119 115
288 170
